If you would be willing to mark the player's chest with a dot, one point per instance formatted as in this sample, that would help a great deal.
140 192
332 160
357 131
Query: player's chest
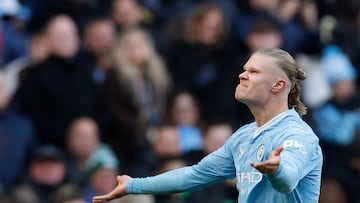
251 151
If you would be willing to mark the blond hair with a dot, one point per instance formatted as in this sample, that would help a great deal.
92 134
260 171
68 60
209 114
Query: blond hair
128 74
288 64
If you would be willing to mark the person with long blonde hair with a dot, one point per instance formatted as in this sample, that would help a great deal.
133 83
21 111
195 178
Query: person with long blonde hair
136 90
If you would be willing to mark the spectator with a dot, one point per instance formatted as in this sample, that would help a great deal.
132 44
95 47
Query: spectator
15 36
264 33
185 116
83 144
102 175
130 13
202 61
46 174
17 140
215 136
126 14
298 23
38 51
68 194
135 91
166 142
346 33
58 90
250 11
99 37
79 10
338 123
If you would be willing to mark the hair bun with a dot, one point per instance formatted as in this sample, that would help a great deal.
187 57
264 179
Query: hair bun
300 74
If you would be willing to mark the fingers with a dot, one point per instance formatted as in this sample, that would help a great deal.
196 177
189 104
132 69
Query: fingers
101 198
109 196
278 150
118 179
118 191
266 167
267 163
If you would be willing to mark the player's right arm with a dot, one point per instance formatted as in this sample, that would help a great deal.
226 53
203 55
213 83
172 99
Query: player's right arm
215 167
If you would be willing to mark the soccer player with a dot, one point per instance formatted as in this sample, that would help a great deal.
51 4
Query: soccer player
275 159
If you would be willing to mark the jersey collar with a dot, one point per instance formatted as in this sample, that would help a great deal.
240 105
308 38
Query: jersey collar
270 123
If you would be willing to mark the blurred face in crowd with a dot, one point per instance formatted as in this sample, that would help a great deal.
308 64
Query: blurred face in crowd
100 36
268 5
4 93
215 137
48 171
83 138
288 9
137 48
166 143
256 41
211 28
63 36
126 13
184 110
39 48
343 90
104 180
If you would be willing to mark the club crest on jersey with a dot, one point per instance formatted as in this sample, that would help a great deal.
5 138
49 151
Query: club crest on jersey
260 152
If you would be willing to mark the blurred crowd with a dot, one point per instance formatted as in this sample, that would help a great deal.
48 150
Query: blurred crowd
94 88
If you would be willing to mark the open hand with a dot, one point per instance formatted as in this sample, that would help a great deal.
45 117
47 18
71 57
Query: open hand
118 191
271 165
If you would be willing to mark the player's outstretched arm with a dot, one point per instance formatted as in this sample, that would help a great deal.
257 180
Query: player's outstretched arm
119 190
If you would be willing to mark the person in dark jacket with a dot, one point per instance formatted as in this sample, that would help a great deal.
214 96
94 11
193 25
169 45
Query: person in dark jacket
58 90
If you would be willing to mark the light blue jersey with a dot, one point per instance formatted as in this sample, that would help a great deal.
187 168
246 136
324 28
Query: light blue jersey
297 179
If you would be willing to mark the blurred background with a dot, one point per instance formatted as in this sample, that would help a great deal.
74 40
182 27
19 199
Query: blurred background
94 88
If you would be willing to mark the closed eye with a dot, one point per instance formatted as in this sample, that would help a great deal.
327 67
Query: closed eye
251 70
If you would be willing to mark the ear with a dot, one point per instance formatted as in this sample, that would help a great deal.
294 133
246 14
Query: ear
279 85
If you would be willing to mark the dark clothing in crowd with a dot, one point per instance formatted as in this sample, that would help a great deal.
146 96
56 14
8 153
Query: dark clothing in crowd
206 72
53 93
17 140
339 154
124 132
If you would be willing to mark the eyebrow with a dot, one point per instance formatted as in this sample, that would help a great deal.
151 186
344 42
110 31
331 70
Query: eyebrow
250 68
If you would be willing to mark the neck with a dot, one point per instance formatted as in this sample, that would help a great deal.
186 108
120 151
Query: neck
263 114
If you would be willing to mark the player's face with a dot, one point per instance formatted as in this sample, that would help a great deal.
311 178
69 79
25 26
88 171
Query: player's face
257 80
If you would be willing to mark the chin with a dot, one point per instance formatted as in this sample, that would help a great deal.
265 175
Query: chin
238 97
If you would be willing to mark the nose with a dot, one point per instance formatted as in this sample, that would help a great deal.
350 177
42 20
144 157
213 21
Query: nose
243 76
